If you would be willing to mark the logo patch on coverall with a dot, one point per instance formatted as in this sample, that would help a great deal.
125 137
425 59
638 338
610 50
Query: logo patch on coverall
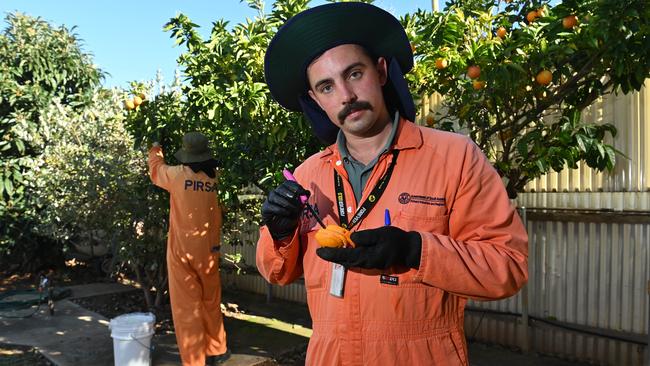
389 280
406 198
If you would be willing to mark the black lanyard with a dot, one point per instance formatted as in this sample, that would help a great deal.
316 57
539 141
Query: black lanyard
368 204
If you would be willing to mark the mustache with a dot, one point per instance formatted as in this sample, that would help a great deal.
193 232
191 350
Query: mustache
351 107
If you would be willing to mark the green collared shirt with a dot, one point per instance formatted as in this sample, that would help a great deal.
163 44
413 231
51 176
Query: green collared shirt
357 172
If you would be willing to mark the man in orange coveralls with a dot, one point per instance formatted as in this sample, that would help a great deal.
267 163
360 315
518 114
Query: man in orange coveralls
193 249
450 232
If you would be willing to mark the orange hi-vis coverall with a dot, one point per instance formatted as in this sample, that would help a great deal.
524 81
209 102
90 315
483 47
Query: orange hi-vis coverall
192 259
473 246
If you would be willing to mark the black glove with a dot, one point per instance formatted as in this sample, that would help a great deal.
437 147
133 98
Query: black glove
378 249
281 210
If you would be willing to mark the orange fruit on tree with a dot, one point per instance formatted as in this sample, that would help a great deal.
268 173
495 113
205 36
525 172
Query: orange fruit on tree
544 77
137 100
129 104
478 85
441 63
569 21
531 16
430 119
473 71
142 96
502 32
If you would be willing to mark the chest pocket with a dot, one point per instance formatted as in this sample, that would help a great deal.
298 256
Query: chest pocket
421 217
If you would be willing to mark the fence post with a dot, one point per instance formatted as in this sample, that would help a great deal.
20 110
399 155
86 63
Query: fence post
647 347
525 339
269 293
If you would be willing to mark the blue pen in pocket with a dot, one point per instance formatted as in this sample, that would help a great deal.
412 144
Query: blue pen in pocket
386 217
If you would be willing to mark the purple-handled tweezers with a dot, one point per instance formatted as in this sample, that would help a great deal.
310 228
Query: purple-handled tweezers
303 198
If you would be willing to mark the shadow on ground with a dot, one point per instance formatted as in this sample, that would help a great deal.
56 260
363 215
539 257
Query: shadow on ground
253 327
260 337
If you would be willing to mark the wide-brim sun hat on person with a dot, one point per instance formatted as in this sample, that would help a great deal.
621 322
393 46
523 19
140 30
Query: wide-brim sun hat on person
195 149
310 33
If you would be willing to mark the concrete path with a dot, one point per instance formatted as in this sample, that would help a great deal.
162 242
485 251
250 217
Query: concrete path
73 336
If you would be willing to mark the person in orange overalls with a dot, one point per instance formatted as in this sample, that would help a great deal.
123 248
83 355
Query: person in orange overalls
193 248
431 220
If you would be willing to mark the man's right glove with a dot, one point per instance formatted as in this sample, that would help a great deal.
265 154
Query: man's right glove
281 210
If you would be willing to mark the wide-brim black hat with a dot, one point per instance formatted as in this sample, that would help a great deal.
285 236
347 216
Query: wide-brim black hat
316 30
195 149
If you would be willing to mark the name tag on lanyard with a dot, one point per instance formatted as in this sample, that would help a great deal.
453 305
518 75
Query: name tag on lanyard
337 281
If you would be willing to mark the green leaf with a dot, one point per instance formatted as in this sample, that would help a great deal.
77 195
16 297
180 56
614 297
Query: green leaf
18 177
20 146
581 143
601 150
8 186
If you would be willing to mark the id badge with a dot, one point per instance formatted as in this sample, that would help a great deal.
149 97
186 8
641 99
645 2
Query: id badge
337 282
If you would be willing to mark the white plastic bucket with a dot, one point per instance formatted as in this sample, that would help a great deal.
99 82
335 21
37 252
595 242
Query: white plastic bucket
131 335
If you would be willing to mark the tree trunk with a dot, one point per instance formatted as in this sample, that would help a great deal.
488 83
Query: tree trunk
160 291
145 288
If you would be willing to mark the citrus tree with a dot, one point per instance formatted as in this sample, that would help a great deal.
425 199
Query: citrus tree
38 63
156 112
516 74
153 111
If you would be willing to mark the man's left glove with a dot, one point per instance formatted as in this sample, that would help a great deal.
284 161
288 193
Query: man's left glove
378 249
281 210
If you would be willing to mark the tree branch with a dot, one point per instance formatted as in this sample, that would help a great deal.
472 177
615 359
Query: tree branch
562 91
